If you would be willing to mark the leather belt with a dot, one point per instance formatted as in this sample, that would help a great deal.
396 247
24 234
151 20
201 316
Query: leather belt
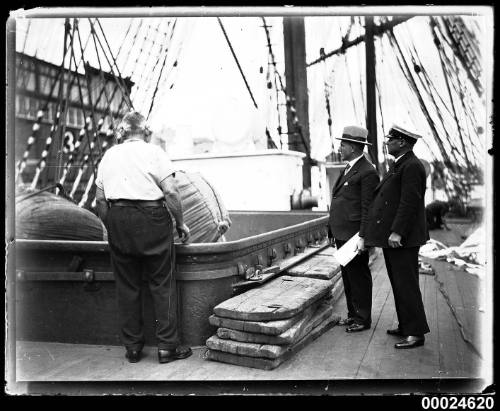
144 203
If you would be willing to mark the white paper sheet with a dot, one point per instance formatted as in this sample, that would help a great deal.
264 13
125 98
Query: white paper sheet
348 251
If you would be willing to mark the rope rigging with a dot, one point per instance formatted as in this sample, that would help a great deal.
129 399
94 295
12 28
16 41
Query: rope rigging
411 113
146 54
344 41
161 71
406 71
56 124
289 104
458 85
451 165
276 77
237 62
172 72
445 75
118 79
427 84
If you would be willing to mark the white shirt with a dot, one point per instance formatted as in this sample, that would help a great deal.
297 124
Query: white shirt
396 159
133 170
352 162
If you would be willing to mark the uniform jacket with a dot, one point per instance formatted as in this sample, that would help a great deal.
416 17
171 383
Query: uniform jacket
398 205
351 198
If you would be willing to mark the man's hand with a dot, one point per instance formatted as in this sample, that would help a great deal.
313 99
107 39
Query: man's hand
360 245
395 240
183 231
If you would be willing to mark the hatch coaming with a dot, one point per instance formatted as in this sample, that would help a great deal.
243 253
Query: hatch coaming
266 249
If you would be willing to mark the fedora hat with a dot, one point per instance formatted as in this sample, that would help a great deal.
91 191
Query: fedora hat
399 132
355 134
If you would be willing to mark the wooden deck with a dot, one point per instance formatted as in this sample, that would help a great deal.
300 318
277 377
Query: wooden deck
335 355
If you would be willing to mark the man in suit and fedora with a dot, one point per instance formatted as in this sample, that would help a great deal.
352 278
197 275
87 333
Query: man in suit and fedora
351 198
397 224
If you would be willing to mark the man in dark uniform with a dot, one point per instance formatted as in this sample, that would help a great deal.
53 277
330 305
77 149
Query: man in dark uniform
136 193
397 223
351 197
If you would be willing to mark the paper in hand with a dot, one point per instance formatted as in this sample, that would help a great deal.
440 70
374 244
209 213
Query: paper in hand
348 251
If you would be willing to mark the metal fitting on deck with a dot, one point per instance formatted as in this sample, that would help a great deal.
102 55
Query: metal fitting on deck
303 200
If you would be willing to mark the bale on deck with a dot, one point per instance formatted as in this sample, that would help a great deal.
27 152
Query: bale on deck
47 216
203 209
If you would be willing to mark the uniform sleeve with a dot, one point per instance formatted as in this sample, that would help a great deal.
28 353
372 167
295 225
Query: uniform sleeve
412 182
369 181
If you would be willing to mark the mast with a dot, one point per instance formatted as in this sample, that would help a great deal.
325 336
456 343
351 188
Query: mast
371 106
296 91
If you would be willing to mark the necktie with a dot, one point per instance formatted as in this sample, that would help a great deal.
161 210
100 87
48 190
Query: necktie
347 167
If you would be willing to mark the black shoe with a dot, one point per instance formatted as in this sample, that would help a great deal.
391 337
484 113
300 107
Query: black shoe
395 331
179 353
411 341
346 321
133 355
357 327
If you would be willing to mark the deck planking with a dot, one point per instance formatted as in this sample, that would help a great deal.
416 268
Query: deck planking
334 355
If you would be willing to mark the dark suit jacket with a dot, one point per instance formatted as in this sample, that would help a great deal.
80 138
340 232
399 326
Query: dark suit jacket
351 198
398 205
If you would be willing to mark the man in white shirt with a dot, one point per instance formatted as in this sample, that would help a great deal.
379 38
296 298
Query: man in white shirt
136 195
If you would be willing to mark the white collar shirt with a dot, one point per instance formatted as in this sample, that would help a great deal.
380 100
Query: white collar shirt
398 158
133 170
352 162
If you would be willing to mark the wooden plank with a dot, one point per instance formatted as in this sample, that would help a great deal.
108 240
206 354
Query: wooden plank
282 298
290 336
323 272
263 327
337 291
301 268
319 266
446 332
268 363
329 251
285 265
271 350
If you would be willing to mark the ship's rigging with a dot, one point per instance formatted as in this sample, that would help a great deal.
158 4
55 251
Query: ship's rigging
147 56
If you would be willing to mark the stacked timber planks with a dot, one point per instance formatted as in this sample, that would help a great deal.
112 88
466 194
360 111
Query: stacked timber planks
265 326
323 266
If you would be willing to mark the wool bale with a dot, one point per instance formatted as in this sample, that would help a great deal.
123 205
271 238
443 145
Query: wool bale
203 209
47 216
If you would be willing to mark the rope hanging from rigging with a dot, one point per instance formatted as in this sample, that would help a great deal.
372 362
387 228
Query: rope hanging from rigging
58 118
161 69
237 62
139 82
276 76
291 107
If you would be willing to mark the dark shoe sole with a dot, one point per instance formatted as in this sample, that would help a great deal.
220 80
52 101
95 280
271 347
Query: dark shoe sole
133 358
349 330
165 360
409 345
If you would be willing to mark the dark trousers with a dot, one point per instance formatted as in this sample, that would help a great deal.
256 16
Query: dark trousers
358 285
402 267
141 246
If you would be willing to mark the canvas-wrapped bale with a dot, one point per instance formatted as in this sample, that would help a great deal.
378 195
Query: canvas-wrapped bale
203 209
47 216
